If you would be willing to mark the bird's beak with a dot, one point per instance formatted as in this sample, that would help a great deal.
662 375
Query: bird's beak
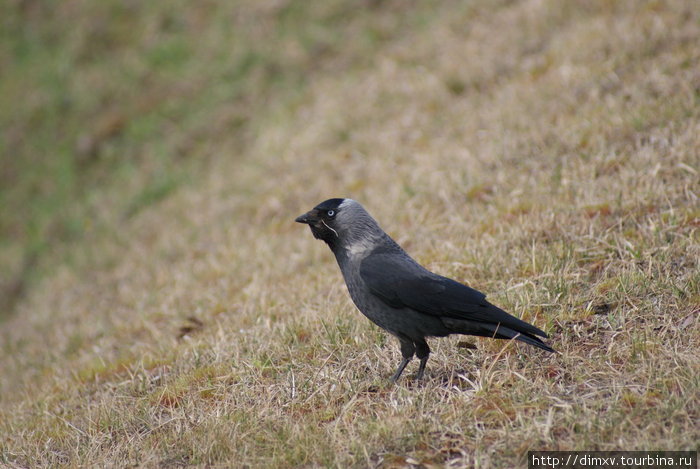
309 218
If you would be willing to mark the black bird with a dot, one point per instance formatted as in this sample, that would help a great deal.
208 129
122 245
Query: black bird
401 296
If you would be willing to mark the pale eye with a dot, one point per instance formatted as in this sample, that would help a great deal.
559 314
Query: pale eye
331 213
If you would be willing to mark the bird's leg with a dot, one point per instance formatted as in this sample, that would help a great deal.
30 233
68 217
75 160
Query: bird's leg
421 368
422 352
407 351
400 369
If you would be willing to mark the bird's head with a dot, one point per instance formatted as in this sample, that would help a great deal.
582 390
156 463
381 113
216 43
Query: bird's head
340 223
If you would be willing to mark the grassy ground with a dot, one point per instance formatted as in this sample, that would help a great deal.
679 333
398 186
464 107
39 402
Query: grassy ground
161 308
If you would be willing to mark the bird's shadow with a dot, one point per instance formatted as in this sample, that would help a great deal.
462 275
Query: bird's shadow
463 380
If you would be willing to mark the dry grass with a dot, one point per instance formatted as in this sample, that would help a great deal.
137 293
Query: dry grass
545 152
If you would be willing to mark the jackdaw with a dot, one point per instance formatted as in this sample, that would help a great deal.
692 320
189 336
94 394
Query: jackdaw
401 296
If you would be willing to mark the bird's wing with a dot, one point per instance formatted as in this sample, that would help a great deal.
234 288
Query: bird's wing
401 282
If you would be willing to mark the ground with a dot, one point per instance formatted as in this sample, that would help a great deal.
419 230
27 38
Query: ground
160 307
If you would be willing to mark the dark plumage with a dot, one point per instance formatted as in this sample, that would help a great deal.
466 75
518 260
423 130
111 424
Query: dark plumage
400 295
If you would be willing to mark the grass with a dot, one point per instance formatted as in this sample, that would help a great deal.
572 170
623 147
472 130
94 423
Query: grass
166 311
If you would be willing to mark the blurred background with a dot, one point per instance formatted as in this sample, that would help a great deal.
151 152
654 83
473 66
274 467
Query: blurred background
109 107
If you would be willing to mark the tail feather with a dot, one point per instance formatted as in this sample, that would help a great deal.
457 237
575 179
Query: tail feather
532 340
496 331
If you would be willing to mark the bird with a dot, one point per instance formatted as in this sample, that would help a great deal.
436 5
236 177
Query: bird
401 296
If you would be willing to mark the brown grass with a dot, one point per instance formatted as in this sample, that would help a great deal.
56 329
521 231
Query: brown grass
544 152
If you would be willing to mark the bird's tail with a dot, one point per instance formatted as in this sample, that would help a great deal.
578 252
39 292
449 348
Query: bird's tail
496 331
532 340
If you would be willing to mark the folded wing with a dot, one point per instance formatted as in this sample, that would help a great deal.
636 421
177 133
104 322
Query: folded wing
401 282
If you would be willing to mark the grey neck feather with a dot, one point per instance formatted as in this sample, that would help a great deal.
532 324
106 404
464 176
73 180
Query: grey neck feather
359 232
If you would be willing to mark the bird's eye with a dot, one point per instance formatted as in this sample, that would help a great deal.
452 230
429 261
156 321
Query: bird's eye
331 213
